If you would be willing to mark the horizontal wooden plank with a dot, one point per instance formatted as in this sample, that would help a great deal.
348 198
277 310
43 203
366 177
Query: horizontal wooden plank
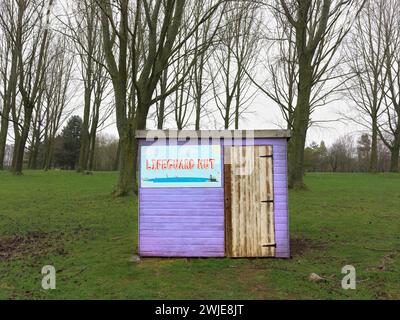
280 157
280 177
281 206
180 191
281 214
280 191
281 220
279 149
174 247
280 170
181 219
178 241
283 243
181 212
284 254
281 237
181 205
206 226
180 198
281 227
183 254
181 234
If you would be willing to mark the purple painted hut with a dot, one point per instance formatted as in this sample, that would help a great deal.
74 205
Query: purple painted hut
213 194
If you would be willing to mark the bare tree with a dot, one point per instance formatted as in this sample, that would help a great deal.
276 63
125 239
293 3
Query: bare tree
32 64
366 60
145 35
282 69
341 154
10 34
59 93
200 80
319 28
84 28
235 52
389 126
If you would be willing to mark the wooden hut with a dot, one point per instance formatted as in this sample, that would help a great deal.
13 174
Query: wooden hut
213 194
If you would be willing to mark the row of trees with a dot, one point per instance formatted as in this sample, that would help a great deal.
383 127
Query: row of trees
68 146
36 76
373 55
182 63
67 150
346 155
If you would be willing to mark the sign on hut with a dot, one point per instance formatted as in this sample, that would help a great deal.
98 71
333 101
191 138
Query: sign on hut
213 194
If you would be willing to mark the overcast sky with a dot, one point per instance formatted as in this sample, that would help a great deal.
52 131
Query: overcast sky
264 114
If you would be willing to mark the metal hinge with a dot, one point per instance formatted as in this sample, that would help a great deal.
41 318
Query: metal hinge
273 245
270 156
268 201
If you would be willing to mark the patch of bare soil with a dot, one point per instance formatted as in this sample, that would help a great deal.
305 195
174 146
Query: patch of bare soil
32 244
300 245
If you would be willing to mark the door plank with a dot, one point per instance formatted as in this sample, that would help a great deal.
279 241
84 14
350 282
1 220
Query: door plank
250 222
228 201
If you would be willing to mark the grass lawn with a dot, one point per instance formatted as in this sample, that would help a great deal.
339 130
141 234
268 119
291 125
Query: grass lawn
71 221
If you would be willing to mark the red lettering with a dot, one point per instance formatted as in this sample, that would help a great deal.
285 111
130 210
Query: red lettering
180 164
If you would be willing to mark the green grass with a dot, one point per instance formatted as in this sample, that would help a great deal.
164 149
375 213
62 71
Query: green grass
71 221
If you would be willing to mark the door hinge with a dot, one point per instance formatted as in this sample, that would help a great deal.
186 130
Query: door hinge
270 156
272 245
268 201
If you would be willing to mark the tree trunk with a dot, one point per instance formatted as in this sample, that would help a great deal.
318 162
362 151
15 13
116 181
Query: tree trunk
237 107
117 158
161 115
84 150
300 124
161 110
128 164
91 154
127 170
35 143
20 149
373 164
198 113
92 143
3 135
46 160
394 161
9 101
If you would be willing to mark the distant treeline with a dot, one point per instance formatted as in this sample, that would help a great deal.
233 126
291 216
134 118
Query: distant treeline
67 149
347 154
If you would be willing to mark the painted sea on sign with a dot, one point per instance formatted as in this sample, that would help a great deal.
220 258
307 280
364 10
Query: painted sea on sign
181 166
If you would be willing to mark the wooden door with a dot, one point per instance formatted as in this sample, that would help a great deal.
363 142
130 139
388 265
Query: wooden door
249 208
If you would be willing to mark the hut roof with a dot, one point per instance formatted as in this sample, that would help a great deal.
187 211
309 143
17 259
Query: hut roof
213 134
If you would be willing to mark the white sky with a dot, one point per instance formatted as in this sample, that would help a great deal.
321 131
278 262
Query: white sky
264 114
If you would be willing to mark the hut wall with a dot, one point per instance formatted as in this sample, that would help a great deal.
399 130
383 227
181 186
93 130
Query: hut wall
189 222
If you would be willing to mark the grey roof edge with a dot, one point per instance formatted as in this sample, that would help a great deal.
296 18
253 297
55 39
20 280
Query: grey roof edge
213 134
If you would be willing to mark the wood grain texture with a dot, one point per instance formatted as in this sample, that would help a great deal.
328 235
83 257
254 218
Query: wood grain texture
228 203
252 219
